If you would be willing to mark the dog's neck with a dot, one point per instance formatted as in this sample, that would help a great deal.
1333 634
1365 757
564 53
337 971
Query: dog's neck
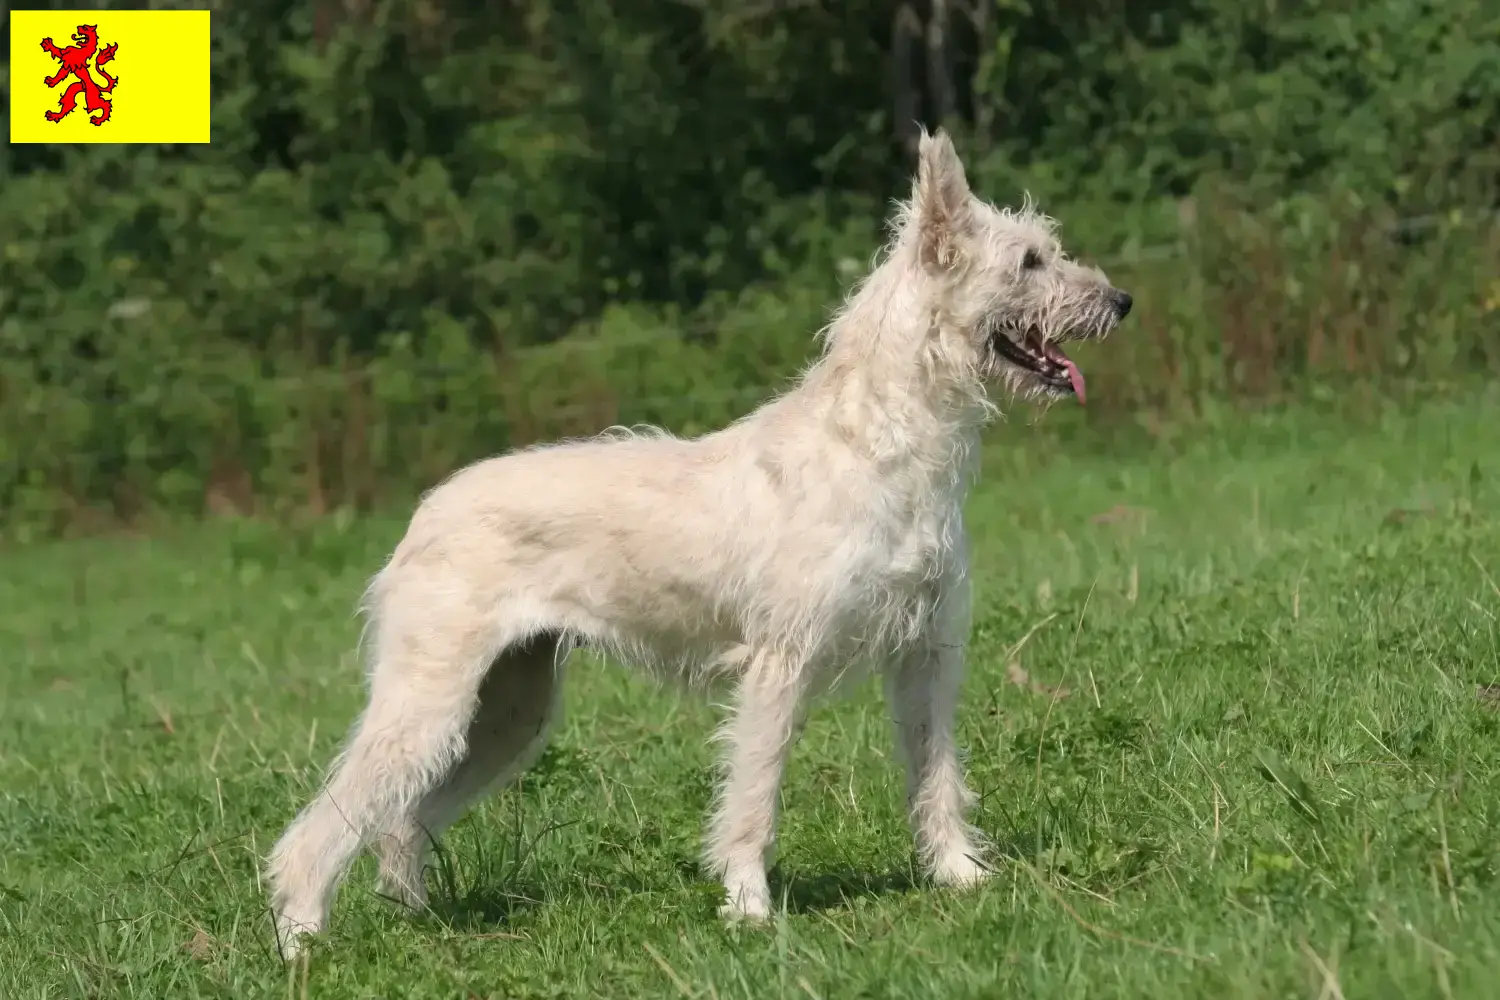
883 383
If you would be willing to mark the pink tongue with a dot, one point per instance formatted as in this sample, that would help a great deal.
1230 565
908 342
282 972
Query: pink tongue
1074 375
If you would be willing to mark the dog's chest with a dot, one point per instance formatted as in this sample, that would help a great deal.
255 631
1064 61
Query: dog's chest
887 592
906 552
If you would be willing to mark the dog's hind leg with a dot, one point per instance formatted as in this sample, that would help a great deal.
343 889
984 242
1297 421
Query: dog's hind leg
424 688
742 833
922 687
518 704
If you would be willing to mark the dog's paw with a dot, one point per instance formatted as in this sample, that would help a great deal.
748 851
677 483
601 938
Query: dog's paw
746 901
292 936
746 913
959 870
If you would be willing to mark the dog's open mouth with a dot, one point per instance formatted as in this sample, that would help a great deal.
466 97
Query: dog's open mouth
1044 359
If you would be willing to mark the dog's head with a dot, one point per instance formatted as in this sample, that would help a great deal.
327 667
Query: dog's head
1007 293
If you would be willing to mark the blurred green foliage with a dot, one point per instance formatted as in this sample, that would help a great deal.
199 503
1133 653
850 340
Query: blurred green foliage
426 230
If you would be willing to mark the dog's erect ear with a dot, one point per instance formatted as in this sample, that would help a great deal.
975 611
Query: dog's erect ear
940 201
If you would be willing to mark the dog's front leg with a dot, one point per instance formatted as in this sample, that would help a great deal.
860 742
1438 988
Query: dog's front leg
922 686
743 831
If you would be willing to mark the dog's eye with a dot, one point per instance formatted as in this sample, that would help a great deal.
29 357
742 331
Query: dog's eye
1031 261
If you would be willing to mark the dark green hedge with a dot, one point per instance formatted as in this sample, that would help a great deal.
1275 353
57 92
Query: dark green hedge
427 230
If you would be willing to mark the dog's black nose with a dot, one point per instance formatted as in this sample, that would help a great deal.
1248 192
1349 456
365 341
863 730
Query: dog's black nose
1123 302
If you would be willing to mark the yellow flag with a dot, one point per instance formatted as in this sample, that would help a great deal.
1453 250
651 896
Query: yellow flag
109 76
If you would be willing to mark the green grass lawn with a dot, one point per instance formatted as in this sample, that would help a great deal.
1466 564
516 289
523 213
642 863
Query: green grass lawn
1246 751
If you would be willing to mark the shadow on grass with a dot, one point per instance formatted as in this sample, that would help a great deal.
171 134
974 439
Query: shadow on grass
488 907
485 887
811 893
485 908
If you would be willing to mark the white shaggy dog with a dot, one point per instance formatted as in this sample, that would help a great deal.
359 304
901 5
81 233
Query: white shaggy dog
822 531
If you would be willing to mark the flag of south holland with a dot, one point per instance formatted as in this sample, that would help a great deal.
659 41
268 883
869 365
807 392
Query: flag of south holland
109 76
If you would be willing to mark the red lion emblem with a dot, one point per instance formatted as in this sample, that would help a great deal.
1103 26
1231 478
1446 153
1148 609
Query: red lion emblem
75 62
